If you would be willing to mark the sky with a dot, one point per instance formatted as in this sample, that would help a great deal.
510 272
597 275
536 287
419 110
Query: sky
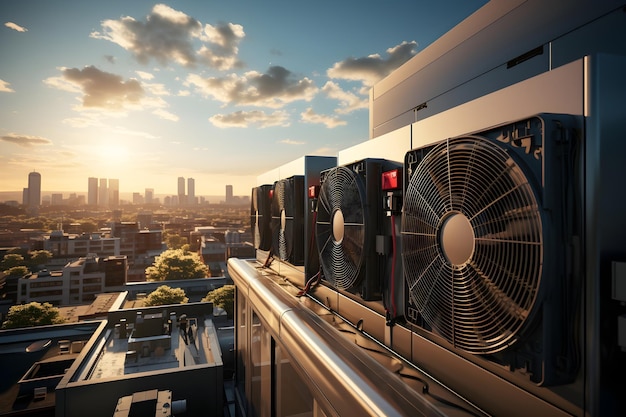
221 91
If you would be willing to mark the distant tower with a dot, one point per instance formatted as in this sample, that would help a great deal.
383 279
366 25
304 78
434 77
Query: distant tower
34 189
103 193
229 194
149 195
191 191
92 191
114 192
181 190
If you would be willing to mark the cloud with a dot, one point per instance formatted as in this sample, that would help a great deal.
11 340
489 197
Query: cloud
25 141
247 118
277 87
164 114
373 68
144 75
15 27
309 116
224 48
169 35
4 87
291 142
100 89
348 101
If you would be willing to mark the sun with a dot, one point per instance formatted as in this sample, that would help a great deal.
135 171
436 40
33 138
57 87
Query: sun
112 153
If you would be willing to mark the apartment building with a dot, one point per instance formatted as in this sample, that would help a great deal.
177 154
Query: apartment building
65 246
78 282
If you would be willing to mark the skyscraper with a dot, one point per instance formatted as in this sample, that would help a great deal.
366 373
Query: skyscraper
34 189
229 194
92 191
149 195
103 193
114 192
191 191
181 190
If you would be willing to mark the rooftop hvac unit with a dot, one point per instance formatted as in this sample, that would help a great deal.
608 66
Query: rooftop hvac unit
261 217
485 225
349 219
288 220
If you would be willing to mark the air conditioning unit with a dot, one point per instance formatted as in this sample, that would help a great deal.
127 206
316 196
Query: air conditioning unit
487 218
261 217
349 221
287 223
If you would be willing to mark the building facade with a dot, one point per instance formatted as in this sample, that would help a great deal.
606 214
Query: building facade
78 282
64 245
92 191
34 190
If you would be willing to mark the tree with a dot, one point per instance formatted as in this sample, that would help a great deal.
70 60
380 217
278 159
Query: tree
177 264
17 271
223 297
165 295
39 257
10 260
175 241
32 314
88 226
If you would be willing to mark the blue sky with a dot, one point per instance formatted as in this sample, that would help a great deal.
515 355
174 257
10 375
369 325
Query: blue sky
220 91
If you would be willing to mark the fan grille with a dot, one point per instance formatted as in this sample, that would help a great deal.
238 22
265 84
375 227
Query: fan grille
283 218
340 227
260 217
472 244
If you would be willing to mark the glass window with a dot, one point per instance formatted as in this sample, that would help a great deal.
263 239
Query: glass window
293 397
261 370
241 343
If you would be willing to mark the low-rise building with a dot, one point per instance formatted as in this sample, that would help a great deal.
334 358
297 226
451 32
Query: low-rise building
152 355
78 282
66 245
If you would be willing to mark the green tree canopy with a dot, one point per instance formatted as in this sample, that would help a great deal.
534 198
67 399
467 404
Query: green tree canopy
177 264
10 260
17 271
223 297
89 226
32 314
165 295
39 257
175 241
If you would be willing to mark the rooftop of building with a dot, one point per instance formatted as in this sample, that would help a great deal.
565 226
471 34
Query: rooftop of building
33 360
36 362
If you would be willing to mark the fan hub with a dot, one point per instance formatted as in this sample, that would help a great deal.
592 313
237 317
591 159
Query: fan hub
283 219
338 227
456 237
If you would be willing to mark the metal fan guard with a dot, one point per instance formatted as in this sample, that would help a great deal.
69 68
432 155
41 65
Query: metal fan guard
478 303
341 259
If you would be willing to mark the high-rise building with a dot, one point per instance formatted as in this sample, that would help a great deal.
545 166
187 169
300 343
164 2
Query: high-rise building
92 191
103 193
229 194
181 190
34 189
191 191
149 195
114 192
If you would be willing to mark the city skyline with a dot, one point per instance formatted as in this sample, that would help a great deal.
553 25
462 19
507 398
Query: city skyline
144 91
104 192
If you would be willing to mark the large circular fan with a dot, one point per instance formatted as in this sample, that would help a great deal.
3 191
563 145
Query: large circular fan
472 244
341 228
282 219
260 217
